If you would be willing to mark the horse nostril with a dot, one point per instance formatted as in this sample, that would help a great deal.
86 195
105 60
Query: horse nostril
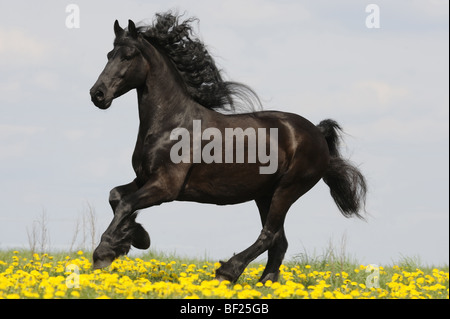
99 95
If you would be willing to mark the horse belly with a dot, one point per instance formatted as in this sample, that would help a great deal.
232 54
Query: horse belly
225 184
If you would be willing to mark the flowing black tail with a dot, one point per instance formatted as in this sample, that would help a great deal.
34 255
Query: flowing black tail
347 185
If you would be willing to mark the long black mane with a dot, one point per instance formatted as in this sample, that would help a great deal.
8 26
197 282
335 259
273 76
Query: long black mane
202 79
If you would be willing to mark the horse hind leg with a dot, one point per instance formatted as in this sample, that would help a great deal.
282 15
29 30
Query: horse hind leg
279 246
233 268
273 212
276 256
271 234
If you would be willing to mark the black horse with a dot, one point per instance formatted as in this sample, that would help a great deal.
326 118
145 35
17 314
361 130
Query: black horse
180 91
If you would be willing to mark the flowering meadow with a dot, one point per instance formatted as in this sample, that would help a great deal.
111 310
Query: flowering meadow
26 275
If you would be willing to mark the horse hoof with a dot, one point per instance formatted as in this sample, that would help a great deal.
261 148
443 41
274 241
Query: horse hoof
99 264
273 277
223 274
221 278
140 237
103 256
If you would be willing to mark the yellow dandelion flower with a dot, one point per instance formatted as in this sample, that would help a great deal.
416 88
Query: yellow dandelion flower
75 294
237 287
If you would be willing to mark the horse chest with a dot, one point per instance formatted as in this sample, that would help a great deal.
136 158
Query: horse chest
149 154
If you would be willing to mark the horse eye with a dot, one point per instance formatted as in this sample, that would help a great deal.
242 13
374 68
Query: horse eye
109 55
129 53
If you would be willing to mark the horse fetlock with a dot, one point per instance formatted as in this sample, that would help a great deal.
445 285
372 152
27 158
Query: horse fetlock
229 270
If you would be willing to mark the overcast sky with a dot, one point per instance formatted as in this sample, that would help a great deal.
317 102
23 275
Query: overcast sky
387 87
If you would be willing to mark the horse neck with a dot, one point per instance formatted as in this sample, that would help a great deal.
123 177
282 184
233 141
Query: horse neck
162 99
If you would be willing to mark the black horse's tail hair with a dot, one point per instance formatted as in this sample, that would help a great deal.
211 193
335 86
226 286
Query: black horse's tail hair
347 185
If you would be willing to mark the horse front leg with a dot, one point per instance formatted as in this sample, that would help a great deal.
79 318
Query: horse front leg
119 236
139 236
116 194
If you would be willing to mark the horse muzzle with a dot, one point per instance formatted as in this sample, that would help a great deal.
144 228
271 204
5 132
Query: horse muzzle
99 98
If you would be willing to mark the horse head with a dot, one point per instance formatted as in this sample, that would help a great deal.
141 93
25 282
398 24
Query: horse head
125 70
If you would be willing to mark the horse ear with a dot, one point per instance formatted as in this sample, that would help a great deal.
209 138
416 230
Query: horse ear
132 29
117 29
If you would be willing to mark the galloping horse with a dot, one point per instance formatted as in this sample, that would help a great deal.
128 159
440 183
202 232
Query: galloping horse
181 91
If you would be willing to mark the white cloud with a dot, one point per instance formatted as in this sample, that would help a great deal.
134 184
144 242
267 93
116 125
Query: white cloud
249 12
9 88
432 9
15 140
47 80
74 134
382 92
17 46
403 131
10 131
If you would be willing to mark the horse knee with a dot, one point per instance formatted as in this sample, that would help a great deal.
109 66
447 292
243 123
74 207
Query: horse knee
114 198
124 208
